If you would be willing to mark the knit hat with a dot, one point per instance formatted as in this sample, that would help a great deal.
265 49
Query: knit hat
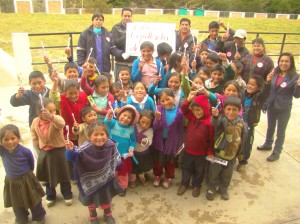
202 102
132 108
240 33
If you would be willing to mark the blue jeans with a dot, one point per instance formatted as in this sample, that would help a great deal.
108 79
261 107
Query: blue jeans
281 119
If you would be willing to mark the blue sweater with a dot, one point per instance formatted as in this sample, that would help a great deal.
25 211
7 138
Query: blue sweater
18 162
124 136
149 104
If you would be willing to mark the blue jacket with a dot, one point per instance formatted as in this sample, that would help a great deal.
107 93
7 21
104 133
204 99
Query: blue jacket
282 96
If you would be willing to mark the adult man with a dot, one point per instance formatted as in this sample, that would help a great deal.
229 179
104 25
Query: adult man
119 34
184 38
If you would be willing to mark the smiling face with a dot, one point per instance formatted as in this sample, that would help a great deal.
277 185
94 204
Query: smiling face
72 73
37 85
239 41
146 53
126 17
145 122
258 49
125 118
167 101
231 90
217 76
209 63
139 91
284 63
90 117
98 137
72 93
184 27
97 22
174 83
252 86
197 111
10 141
197 81
231 112
116 93
124 75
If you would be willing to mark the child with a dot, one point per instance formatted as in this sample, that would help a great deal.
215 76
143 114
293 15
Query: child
199 141
140 99
255 96
238 68
122 131
88 116
230 139
168 137
52 166
144 136
174 84
100 94
22 190
96 159
118 93
70 104
30 97
89 72
146 68
124 77
164 51
204 73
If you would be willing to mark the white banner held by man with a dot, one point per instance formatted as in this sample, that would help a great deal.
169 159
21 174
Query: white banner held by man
137 33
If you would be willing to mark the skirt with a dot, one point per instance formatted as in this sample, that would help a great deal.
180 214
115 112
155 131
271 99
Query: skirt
103 195
145 162
52 167
22 192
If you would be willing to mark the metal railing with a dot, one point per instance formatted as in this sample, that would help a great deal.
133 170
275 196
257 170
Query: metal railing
283 42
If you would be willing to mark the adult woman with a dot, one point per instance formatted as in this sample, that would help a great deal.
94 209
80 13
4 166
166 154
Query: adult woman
258 62
284 86
98 43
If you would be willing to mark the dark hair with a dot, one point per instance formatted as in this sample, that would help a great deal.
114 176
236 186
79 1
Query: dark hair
136 83
38 106
71 65
166 91
71 84
100 79
85 111
9 127
232 82
116 85
147 44
218 67
259 81
233 101
126 9
97 125
185 20
92 61
198 77
213 25
123 69
205 70
164 48
149 114
174 74
214 57
131 110
36 74
107 75
175 57
292 70
259 40
98 15
204 49
238 64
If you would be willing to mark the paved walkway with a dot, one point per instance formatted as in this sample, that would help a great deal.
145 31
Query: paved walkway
264 193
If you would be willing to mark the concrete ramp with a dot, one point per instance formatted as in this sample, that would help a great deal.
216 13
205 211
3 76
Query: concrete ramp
8 70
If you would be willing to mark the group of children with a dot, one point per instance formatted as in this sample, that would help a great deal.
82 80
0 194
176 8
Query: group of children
116 132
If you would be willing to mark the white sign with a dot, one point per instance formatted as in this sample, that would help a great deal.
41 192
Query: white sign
137 33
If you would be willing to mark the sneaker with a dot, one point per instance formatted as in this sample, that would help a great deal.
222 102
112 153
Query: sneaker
50 203
273 157
156 181
210 195
196 192
225 195
123 193
68 202
181 190
109 219
240 167
39 222
264 147
167 183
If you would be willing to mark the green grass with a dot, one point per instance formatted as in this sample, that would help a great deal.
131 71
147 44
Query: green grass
45 23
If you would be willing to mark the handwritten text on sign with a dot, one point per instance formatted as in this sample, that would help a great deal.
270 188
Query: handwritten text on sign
137 33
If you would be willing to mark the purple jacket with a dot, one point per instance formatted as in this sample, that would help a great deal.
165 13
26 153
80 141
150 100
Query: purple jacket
175 132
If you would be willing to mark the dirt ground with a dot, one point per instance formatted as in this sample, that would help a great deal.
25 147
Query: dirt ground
262 193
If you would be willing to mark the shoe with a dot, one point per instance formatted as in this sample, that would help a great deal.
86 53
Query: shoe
181 190
273 157
132 184
68 202
196 192
123 193
109 219
95 221
50 203
225 195
156 181
18 222
143 181
210 195
39 222
264 147
240 167
166 184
